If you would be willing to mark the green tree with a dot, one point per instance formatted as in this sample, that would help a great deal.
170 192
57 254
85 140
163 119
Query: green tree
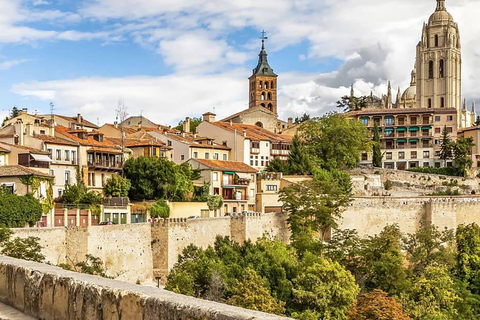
12 114
214 202
377 305
92 265
462 151
160 209
305 117
352 103
314 206
277 165
116 186
20 248
326 288
298 159
334 141
194 122
252 293
468 256
17 211
446 146
377 152
477 121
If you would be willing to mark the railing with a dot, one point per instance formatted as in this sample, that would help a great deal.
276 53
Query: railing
233 198
270 176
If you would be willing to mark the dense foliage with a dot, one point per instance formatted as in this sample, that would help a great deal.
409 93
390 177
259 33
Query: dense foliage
377 151
116 186
20 248
447 171
160 209
156 178
18 211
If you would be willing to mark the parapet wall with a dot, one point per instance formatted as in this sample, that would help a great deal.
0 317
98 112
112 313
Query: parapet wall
47 292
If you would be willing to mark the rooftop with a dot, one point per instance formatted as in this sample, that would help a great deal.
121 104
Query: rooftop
253 132
226 165
19 171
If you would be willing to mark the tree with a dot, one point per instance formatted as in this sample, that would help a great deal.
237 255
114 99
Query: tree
377 305
116 186
352 103
468 256
156 178
17 211
477 122
20 248
92 265
12 114
277 165
462 151
298 159
334 141
314 206
214 202
252 293
194 122
326 288
377 152
446 146
160 209
302 119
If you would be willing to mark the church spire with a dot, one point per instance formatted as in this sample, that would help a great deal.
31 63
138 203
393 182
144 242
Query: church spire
473 106
263 68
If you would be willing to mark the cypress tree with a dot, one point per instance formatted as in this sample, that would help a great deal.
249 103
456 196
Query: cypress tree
445 146
377 152
298 160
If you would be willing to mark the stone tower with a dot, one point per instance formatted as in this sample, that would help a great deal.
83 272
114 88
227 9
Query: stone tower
439 63
263 83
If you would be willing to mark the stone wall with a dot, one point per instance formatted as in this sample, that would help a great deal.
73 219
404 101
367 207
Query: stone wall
53 241
47 292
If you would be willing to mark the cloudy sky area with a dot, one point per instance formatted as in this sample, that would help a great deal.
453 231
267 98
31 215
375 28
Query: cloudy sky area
175 58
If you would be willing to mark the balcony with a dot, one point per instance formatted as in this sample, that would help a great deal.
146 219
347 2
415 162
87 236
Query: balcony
269 176
34 160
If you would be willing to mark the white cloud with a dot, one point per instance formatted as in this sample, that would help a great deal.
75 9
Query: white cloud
40 3
11 63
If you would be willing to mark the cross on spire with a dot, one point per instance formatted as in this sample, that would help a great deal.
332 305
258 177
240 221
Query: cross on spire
263 37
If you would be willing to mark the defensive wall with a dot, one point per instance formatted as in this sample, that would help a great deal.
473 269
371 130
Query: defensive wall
47 292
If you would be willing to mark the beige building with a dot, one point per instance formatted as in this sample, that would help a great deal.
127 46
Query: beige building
474 133
234 181
250 144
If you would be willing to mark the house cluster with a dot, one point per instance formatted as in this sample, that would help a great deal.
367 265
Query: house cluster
230 153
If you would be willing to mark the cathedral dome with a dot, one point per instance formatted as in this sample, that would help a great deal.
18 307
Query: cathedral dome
441 14
410 93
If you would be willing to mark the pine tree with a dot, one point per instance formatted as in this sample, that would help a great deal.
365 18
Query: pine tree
377 152
445 146
298 160
477 122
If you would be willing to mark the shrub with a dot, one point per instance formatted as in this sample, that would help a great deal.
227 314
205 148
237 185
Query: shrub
388 185
16 211
160 209
116 186
448 171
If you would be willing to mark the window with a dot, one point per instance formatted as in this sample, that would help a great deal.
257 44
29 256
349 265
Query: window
263 96
437 153
441 69
215 176
67 177
365 121
42 131
103 179
426 165
429 103
430 69
215 156
413 155
59 154
49 151
169 143
401 155
260 85
437 118
437 130
437 142
426 154
74 157
389 121
442 102
389 156
60 192
207 155
9 186
67 155
195 154
364 157
225 157
436 40
449 129
272 187
449 118
182 157
91 179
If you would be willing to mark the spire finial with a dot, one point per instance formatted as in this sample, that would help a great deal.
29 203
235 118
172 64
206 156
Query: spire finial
263 37
440 5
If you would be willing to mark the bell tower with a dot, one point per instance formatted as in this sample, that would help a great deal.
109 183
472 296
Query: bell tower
439 63
263 83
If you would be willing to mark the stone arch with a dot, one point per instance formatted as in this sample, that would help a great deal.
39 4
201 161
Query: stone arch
259 124
270 107
263 96
269 96
430 69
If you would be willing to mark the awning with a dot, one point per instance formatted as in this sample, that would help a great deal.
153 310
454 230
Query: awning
427 139
389 129
245 176
401 140
228 172
41 157
426 128
401 129
413 129
413 140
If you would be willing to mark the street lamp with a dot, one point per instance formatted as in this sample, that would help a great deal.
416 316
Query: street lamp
158 281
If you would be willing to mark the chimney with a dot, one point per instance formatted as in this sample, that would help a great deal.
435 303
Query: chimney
209 117
79 118
51 126
230 122
186 125
290 122
29 129
115 124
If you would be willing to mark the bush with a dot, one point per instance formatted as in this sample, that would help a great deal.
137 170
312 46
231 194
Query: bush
16 211
116 186
388 185
448 171
160 209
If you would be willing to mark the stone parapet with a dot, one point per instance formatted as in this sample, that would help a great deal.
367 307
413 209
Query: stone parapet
47 292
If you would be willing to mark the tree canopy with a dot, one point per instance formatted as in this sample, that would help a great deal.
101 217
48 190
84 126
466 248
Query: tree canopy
18 211
116 186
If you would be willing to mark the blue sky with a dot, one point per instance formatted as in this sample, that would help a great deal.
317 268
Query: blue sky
175 58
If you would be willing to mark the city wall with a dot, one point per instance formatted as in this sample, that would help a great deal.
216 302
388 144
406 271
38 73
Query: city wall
47 292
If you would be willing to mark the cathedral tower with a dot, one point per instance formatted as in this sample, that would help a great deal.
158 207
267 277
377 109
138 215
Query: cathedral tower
439 63
263 83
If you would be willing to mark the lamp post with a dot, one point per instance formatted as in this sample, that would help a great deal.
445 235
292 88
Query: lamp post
158 281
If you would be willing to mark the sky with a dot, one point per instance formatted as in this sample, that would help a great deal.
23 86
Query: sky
168 59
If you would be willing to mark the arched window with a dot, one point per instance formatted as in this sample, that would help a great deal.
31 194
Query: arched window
429 103
270 107
260 85
430 69
263 96
266 84
259 124
272 86
262 105
442 102
269 96
436 40
441 69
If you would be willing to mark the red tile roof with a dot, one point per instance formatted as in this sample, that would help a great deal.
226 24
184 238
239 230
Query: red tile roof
55 140
67 133
253 132
226 165
130 142
18 171
75 120
195 141
33 150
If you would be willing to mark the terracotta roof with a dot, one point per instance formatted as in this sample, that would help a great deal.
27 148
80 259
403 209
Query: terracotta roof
246 111
4 150
130 142
253 132
195 141
18 171
226 165
33 150
55 140
66 132
108 150
7 135
75 120
469 129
